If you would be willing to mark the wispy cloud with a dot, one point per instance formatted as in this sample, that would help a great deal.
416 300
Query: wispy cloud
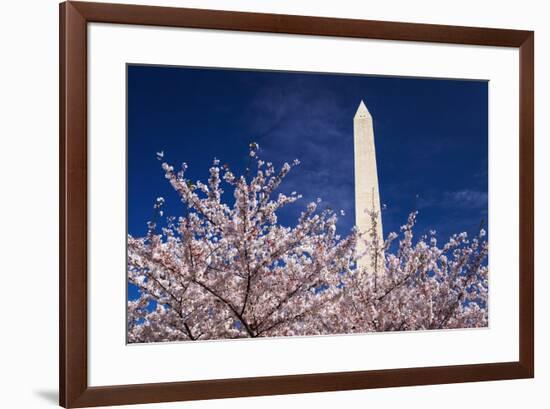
459 199
297 121
466 198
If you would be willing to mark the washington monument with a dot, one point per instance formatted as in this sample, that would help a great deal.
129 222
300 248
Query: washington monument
367 196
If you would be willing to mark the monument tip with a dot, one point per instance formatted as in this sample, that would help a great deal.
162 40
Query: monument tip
362 111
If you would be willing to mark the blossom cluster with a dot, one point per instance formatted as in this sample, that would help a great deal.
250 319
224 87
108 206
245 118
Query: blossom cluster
226 271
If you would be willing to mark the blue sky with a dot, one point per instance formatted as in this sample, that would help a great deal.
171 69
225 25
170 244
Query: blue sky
431 138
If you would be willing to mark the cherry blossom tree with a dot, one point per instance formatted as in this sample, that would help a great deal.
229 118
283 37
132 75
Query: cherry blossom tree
232 271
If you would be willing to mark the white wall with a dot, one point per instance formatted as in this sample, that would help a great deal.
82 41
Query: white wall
29 218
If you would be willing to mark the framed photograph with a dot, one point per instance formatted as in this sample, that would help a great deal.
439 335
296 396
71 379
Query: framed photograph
259 204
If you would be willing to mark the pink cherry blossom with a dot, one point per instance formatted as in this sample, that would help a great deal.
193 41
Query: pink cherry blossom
231 271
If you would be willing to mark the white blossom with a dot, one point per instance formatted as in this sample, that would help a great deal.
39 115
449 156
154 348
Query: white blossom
231 271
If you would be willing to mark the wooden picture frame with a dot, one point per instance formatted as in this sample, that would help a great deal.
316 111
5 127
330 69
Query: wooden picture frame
73 333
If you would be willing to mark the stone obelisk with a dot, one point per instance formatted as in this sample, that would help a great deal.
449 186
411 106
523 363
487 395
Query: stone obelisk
367 196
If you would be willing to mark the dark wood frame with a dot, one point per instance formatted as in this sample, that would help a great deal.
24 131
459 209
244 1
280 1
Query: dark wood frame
73 354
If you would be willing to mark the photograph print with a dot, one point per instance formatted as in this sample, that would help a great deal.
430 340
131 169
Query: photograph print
279 204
